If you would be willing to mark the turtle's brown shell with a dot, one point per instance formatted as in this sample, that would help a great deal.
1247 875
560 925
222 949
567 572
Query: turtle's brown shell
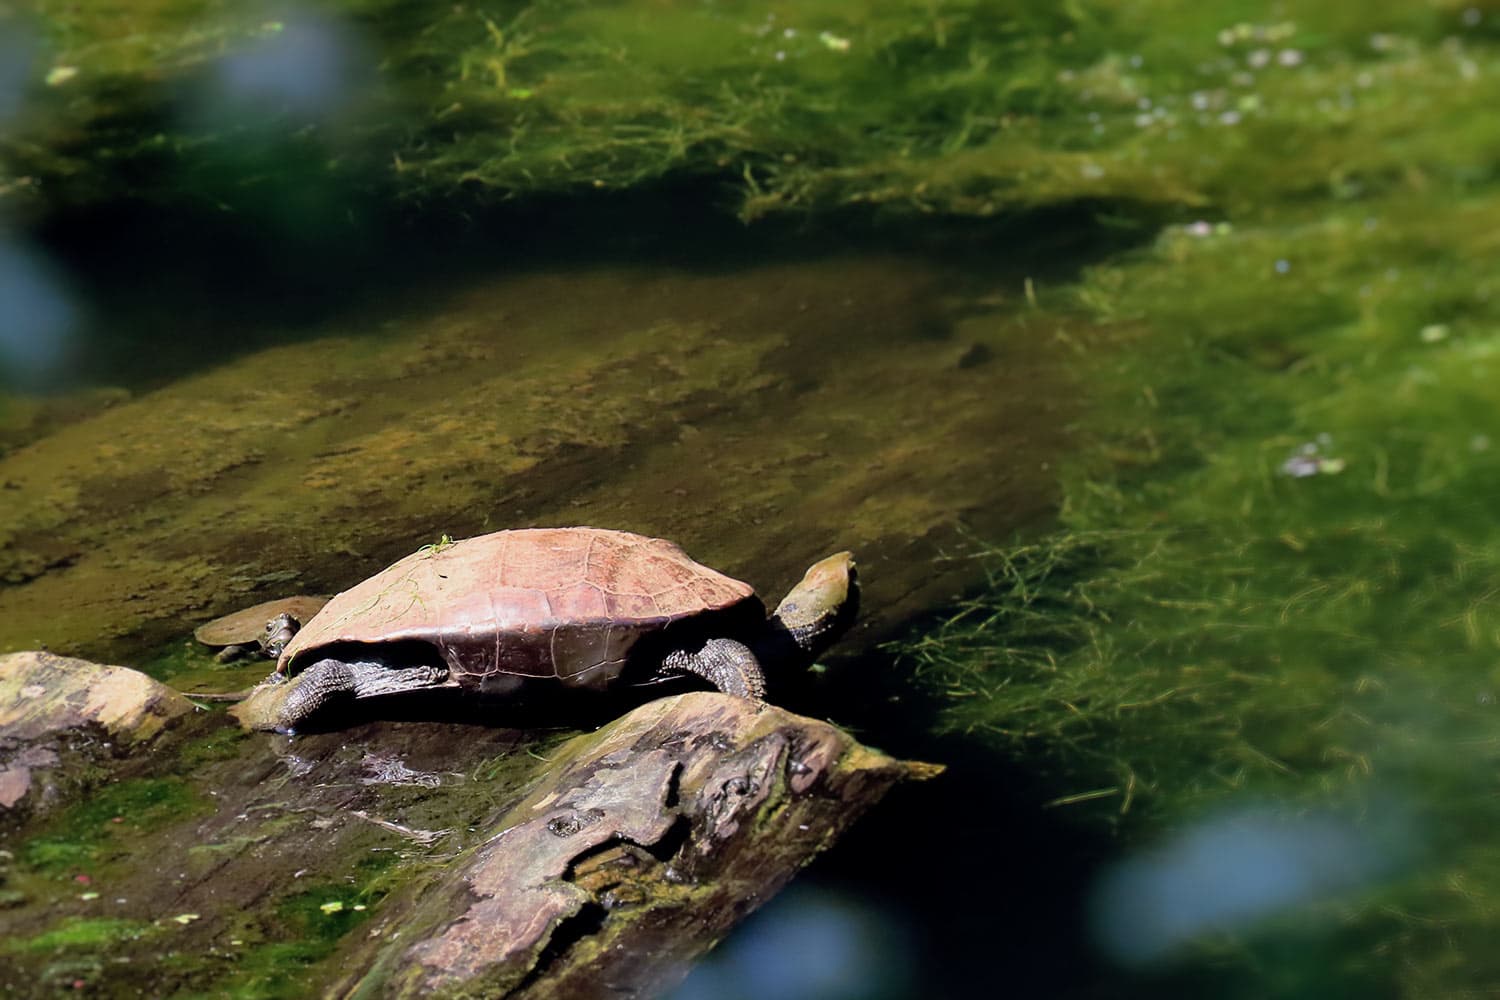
568 603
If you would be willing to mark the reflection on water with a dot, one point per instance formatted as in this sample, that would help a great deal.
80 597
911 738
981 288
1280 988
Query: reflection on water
1227 872
810 944
16 54
306 67
37 316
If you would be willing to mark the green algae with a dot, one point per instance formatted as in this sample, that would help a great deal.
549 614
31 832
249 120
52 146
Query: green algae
607 396
320 915
1275 575
103 827
191 668
83 933
222 744
970 107
224 875
309 924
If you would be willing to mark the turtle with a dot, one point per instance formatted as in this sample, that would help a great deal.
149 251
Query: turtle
264 628
576 606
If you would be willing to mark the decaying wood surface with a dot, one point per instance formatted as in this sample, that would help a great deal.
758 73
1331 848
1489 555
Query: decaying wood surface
488 855
639 847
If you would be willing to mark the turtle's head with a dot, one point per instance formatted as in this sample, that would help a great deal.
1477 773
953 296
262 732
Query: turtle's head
819 608
278 633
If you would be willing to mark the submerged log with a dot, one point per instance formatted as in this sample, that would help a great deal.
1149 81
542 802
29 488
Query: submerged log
639 847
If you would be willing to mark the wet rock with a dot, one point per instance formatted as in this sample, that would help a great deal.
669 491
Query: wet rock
640 846
16 772
42 693
43 696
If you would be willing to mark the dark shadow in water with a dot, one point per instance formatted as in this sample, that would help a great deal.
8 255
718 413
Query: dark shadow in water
170 292
540 706
986 889
982 884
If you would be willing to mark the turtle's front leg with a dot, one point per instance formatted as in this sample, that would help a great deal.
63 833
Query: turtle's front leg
328 680
728 665
320 684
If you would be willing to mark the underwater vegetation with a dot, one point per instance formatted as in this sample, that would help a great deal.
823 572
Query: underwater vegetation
971 107
1271 600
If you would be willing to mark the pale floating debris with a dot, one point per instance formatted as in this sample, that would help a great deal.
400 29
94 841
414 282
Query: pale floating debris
1227 872
88 896
185 918
388 769
333 907
1260 33
836 43
59 75
1433 333
1309 460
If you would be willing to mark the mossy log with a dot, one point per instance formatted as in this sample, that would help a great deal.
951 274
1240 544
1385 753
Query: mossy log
638 848
394 858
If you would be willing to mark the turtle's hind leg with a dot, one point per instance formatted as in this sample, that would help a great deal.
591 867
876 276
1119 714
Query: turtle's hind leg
728 665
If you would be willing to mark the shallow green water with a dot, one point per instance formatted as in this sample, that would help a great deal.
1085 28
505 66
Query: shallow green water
1145 357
